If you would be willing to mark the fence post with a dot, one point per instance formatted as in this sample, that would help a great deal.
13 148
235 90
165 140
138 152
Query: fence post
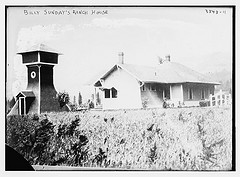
220 97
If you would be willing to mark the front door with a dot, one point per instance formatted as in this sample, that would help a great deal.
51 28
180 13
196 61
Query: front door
22 107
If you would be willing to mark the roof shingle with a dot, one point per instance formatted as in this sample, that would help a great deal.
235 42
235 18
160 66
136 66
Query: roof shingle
168 72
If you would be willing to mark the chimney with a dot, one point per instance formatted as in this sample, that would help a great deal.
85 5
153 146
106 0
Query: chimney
160 60
121 58
167 57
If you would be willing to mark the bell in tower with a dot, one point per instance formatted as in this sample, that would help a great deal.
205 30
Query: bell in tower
40 95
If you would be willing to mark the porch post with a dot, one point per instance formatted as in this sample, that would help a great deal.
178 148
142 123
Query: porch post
95 99
181 93
170 92
210 98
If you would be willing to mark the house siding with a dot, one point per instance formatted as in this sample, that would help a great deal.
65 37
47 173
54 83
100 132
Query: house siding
128 91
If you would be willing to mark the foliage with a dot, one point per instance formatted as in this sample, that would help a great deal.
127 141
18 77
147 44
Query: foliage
29 137
74 100
90 104
159 139
10 104
73 106
204 103
63 98
79 98
98 100
145 102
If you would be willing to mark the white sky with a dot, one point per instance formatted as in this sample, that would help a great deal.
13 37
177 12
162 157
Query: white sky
90 43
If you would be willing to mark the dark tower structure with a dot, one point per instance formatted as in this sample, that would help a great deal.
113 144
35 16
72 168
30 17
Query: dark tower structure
40 95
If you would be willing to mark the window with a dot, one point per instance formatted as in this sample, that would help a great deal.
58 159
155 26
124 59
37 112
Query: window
107 93
190 94
212 91
143 88
114 93
110 93
202 94
153 87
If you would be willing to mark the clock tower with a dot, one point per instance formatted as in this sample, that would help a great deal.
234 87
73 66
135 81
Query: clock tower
40 95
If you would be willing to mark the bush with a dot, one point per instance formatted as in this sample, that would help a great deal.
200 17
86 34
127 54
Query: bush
204 103
63 98
145 102
28 136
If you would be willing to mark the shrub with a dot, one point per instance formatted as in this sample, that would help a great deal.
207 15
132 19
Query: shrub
145 102
29 137
204 103
63 98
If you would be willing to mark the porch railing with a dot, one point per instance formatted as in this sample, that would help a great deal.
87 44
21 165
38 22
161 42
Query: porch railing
220 99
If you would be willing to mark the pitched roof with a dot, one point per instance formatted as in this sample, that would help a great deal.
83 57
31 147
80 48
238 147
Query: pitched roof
168 72
40 47
26 93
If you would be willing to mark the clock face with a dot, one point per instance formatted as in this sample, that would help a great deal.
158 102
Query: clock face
33 74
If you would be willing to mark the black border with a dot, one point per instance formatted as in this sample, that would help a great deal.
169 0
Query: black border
233 7
233 88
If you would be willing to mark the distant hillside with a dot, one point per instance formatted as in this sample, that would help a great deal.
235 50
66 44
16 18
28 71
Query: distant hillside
224 77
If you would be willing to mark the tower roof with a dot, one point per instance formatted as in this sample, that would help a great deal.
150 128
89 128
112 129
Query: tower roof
40 47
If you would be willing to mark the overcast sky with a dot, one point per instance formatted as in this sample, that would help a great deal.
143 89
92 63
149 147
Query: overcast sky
195 37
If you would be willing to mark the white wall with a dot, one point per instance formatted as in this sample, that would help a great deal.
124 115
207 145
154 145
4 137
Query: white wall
176 93
128 95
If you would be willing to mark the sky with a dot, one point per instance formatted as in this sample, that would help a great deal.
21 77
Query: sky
90 39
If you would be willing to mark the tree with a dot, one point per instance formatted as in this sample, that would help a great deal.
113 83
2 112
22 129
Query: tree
63 98
98 100
12 102
74 99
79 98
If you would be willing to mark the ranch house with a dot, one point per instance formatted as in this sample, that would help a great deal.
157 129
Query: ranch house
127 86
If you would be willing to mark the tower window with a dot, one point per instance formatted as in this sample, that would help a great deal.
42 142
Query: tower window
33 74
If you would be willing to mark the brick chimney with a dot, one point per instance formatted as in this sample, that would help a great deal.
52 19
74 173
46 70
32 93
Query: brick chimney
167 57
121 58
160 60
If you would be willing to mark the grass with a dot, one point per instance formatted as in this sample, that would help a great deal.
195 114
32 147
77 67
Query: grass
152 139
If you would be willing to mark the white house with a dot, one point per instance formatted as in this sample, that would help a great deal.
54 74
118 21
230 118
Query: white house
127 86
